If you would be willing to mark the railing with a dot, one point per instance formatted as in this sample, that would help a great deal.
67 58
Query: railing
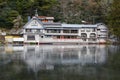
61 33
34 32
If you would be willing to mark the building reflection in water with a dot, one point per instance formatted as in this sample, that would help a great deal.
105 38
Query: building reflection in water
47 56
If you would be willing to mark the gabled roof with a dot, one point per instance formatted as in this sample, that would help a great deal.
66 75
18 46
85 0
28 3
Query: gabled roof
42 25
49 24
33 27
79 25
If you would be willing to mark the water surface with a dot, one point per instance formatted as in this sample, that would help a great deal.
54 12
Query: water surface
60 62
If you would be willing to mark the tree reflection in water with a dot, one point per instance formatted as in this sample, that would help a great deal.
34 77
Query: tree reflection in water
60 62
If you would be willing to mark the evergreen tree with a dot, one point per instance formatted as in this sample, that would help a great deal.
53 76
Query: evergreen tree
113 18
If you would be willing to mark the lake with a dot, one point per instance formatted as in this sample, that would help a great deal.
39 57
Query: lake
60 62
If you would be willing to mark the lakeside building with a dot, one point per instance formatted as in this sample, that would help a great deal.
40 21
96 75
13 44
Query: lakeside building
42 29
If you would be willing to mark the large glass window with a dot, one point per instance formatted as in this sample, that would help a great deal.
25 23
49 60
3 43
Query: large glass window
30 37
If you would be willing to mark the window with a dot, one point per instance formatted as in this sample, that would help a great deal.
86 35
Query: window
83 35
66 31
57 31
73 37
92 35
103 31
84 39
34 30
70 31
30 37
49 31
38 30
28 30
53 31
88 30
82 30
58 37
74 31
69 37
98 29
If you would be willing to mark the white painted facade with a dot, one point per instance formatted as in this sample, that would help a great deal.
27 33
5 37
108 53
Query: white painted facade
38 31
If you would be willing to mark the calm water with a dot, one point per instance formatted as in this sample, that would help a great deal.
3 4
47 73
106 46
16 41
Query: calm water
60 62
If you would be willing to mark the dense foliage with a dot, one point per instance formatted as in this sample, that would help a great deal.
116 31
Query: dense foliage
113 18
14 13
